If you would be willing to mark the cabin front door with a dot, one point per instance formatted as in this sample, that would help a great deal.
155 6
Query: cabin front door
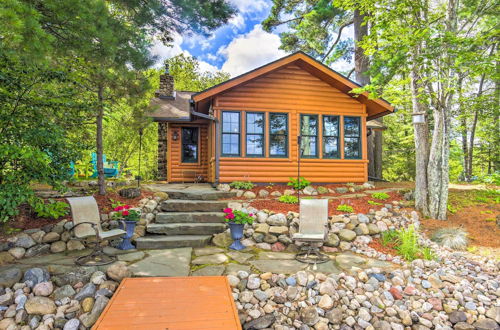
188 153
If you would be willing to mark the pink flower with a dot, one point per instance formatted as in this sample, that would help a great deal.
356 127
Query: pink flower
118 208
230 216
126 207
227 210
250 214
125 213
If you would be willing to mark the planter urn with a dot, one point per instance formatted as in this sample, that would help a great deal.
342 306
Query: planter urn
129 227
236 234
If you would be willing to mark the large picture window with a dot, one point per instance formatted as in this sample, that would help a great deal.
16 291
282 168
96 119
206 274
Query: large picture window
255 133
309 133
190 144
231 133
278 135
352 137
331 137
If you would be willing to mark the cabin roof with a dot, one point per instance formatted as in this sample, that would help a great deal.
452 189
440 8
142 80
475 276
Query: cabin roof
175 108
375 107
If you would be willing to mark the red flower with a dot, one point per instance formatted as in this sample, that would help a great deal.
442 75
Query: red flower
126 207
118 208
227 210
250 214
125 213
230 216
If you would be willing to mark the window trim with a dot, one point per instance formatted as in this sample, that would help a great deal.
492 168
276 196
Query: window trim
263 134
331 136
359 137
222 134
316 136
197 161
286 135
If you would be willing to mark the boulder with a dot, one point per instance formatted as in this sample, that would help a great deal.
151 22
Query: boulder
57 247
10 276
309 315
88 319
88 290
277 220
222 239
43 289
73 245
64 291
249 195
50 237
332 240
17 252
40 306
347 235
322 190
37 250
118 271
5 257
263 193
262 322
33 276
130 192
24 241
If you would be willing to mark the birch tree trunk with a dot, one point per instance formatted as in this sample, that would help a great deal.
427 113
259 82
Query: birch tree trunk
99 143
421 132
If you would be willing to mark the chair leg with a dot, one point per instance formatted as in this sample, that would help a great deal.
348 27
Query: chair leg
96 258
312 255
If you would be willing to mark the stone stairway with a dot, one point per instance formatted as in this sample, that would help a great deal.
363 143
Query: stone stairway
188 219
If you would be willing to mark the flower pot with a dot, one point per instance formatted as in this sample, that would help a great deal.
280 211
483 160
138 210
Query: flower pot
129 227
236 234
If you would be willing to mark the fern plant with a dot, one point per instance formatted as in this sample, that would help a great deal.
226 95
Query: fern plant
345 208
298 184
380 195
244 185
288 199
53 209
407 243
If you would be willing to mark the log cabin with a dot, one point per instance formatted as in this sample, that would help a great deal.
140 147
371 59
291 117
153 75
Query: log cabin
258 126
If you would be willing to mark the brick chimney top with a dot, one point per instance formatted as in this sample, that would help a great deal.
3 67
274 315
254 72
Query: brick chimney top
166 90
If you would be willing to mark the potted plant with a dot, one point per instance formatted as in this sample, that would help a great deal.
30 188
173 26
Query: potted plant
127 218
236 220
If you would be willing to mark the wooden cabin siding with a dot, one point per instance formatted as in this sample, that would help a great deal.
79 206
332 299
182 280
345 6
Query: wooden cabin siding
185 172
294 91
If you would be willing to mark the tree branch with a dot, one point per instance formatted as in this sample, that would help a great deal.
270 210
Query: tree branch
336 40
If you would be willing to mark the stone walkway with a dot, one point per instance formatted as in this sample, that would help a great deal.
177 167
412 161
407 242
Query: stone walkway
207 261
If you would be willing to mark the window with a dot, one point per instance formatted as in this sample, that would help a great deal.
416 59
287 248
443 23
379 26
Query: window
190 144
278 135
331 137
230 133
309 134
255 134
352 138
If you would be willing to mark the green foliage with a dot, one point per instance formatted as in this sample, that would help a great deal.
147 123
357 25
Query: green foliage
52 209
115 203
289 199
298 184
493 178
374 203
388 236
428 254
345 208
453 238
245 185
380 195
237 216
405 241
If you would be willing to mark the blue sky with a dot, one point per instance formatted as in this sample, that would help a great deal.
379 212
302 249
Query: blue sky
237 47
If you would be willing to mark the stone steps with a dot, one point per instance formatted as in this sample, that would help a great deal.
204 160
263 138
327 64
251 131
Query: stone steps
172 229
186 217
199 195
179 205
168 242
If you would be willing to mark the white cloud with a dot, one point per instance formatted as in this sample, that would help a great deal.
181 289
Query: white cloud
250 5
237 22
250 50
163 52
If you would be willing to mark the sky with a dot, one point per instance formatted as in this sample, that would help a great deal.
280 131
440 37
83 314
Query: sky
237 47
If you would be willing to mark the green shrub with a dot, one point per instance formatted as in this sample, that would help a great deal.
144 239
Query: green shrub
345 208
387 237
244 185
374 203
380 195
53 209
407 243
298 184
289 199
427 254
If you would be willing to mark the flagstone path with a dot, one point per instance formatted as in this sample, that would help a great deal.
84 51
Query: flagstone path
207 261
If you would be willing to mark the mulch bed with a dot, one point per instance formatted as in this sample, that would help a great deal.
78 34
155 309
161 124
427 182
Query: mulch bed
478 221
359 204
27 219
387 249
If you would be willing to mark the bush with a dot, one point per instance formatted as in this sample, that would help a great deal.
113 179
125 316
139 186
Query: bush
345 208
405 242
298 184
453 238
244 185
380 195
289 199
388 237
53 209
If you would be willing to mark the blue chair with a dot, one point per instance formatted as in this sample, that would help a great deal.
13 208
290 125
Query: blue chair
111 168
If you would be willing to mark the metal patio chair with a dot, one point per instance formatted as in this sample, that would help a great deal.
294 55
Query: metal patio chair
87 228
312 230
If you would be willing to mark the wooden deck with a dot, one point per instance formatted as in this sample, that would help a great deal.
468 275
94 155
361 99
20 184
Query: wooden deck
171 303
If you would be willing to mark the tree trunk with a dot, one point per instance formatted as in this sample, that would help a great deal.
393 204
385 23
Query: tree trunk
361 66
438 167
421 137
99 144
473 131
465 149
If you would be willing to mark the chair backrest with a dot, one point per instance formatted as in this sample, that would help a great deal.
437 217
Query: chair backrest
85 209
313 216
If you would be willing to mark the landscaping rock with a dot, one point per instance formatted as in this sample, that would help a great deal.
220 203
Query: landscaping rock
263 193
63 292
88 319
10 276
262 322
43 289
17 252
51 237
332 240
222 240
74 245
37 250
129 192
88 290
118 271
218 258
40 306
24 241
277 220
309 315
5 257
33 276
57 247
347 235
249 195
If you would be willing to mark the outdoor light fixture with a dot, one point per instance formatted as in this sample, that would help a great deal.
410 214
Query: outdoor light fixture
175 135
418 118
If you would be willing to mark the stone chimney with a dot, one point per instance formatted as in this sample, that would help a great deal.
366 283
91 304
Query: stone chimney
166 90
